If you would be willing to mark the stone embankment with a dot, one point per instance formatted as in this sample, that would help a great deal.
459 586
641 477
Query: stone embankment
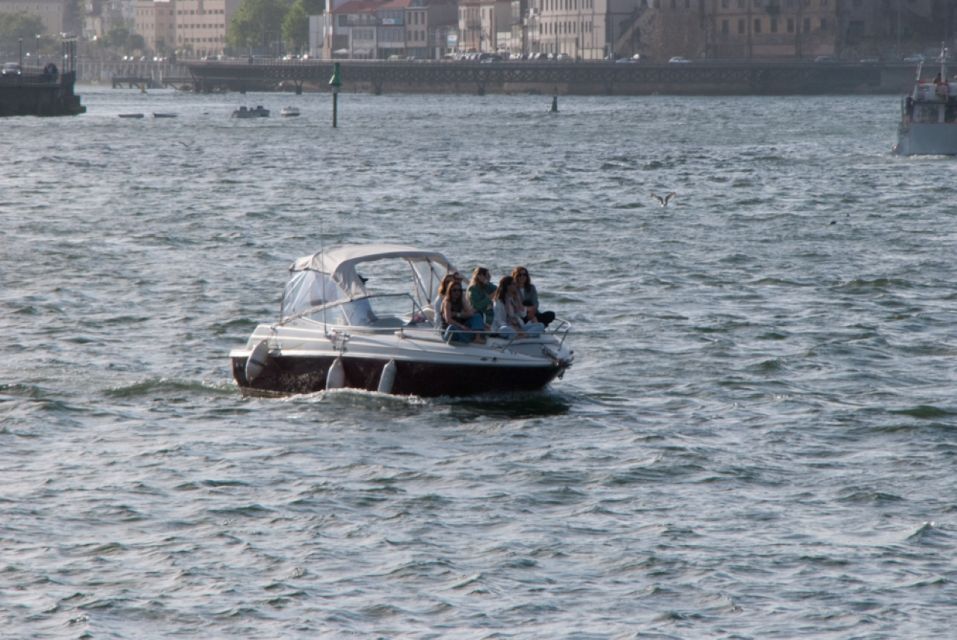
546 77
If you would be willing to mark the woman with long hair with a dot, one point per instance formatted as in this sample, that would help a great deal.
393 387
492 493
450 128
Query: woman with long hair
480 293
508 320
529 295
459 320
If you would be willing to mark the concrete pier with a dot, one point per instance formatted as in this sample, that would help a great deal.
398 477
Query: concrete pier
549 77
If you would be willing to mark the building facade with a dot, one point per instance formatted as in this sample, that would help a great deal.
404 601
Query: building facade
771 29
378 30
656 30
156 22
201 25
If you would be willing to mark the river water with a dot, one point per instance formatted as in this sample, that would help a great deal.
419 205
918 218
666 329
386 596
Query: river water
758 438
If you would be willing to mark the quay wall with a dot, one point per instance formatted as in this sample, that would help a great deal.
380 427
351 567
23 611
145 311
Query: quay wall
582 78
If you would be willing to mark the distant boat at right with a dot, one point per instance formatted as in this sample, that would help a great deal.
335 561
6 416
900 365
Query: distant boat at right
928 123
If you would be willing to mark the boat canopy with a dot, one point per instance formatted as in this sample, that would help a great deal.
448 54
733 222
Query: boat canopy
330 275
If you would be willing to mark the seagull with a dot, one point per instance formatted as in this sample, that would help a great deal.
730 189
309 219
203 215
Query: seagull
664 201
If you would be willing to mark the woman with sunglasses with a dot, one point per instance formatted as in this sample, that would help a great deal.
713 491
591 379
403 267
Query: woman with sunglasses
459 319
529 295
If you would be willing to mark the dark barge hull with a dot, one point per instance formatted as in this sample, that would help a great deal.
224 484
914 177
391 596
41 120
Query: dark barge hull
308 374
39 95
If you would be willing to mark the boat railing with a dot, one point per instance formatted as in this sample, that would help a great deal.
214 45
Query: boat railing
418 320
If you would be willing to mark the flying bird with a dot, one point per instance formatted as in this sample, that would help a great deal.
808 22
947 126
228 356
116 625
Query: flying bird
665 200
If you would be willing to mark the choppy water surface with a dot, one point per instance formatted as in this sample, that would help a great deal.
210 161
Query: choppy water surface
757 439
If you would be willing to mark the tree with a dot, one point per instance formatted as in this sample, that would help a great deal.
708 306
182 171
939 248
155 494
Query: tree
17 27
136 42
118 38
295 27
257 23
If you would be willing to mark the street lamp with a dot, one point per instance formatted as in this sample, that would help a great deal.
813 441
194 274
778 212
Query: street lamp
38 50
20 41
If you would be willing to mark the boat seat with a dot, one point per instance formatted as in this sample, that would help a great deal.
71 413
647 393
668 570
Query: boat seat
387 322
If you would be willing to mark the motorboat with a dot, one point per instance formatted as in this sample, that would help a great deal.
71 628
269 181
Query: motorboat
164 115
928 124
244 112
135 116
289 112
361 317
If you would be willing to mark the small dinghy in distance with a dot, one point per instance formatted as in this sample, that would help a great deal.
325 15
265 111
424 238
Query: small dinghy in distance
258 112
164 115
289 112
337 330
135 116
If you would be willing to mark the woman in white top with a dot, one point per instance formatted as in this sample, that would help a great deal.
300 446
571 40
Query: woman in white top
508 311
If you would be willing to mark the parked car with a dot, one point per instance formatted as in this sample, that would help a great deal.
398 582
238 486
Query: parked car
678 60
914 57
11 69
871 60
825 59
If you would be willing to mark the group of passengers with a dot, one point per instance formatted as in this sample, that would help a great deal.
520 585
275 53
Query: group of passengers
509 310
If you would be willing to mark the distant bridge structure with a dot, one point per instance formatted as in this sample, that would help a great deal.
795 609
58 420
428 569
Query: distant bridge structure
551 77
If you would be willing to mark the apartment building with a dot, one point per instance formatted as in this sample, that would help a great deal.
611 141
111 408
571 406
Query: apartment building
201 25
379 29
773 28
156 22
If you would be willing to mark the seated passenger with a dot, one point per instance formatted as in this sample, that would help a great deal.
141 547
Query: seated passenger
443 289
480 293
459 319
529 296
508 320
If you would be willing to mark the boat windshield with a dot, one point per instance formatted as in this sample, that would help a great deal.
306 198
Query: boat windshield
386 311
417 278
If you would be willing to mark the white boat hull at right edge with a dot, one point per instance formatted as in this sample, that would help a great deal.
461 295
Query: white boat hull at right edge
931 139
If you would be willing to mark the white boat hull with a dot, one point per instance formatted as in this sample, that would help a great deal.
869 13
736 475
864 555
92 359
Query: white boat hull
422 363
927 139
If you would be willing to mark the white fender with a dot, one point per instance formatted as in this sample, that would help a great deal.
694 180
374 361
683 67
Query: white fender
256 361
336 377
387 378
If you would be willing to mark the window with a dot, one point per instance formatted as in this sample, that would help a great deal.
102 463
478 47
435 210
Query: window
725 27
790 25
757 25
742 26
823 24
774 25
